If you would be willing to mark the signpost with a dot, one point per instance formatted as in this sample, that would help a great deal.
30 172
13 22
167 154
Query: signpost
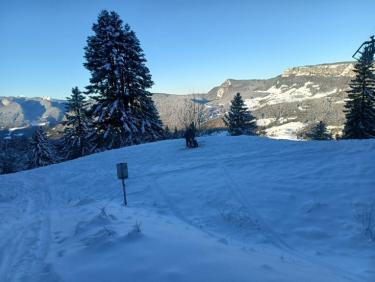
122 174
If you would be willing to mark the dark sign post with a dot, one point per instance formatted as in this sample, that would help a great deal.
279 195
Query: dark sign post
122 174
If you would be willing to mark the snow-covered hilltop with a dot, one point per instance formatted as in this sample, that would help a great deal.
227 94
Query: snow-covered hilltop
235 209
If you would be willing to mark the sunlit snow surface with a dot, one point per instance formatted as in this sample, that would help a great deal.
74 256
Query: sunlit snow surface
234 209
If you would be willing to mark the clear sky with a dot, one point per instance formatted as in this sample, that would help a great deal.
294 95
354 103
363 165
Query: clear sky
191 45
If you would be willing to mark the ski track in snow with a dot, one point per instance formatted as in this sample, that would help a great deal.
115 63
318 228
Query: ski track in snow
26 244
37 214
264 228
163 196
273 237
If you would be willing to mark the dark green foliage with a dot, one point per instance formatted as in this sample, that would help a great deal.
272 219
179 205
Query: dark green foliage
319 132
42 152
147 121
78 135
239 120
14 154
124 112
7 162
360 106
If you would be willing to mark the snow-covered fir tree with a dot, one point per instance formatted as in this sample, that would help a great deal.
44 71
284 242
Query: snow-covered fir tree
42 151
123 112
360 106
78 139
146 119
239 120
319 132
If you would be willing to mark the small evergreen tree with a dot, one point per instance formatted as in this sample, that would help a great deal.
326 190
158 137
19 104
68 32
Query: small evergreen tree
124 112
360 106
78 135
167 133
42 152
239 120
319 132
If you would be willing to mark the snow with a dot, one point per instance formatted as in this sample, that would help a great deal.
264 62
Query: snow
286 94
17 128
265 121
235 209
5 102
283 119
330 127
285 131
220 92
36 123
254 103
340 102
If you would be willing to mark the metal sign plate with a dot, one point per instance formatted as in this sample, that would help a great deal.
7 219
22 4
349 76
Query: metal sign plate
122 170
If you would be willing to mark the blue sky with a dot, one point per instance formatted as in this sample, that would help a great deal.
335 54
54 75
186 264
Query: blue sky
191 45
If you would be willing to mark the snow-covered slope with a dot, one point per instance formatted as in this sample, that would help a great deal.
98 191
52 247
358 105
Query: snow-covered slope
235 209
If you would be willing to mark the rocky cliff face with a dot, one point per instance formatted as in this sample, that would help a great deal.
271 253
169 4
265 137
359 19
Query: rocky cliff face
283 105
325 70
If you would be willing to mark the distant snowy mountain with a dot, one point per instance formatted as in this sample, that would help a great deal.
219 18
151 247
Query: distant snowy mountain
283 105
21 111
235 209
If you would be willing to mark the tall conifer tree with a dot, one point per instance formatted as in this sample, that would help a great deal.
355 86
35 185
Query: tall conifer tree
360 106
42 151
78 135
124 112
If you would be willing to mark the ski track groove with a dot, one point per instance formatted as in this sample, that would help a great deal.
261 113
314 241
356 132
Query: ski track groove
268 232
160 194
274 238
271 235
23 258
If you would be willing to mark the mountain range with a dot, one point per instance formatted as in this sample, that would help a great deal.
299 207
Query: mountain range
283 105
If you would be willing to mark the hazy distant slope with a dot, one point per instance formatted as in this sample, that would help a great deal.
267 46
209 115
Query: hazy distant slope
21 111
